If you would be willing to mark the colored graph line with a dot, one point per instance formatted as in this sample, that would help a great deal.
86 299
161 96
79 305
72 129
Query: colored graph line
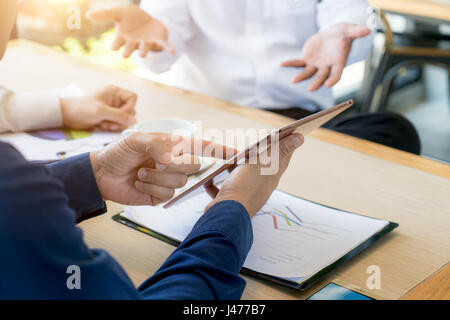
275 225
292 212
285 217
272 213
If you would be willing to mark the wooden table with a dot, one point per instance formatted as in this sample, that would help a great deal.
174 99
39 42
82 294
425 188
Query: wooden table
429 9
331 168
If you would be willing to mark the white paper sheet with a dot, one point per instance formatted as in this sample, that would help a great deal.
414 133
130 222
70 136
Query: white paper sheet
293 238
57 144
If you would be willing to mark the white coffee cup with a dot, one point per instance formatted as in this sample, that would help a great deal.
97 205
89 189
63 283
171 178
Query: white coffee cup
177 126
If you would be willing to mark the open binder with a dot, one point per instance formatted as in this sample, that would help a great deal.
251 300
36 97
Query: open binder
135 217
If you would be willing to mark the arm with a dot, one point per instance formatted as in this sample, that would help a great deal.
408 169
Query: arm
207 263
29 111
39 205
80 186
111 108
39 239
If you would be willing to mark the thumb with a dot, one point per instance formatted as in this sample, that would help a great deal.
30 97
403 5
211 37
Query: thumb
287 147
117 115
114 14
357 31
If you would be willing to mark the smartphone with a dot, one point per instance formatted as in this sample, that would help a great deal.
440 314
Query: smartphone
333 291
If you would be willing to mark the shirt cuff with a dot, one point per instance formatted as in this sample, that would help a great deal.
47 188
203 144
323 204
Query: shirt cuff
231 219
79 180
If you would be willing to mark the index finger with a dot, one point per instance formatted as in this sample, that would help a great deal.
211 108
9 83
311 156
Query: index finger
158 145
204 148
297 63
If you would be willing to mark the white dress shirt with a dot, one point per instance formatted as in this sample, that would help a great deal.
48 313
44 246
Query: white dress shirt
232 49
29 111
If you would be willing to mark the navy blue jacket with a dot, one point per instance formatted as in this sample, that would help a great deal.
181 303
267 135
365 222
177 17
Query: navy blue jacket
39 239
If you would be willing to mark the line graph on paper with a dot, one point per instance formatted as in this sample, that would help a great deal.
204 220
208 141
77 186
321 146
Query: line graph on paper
285 219
289 238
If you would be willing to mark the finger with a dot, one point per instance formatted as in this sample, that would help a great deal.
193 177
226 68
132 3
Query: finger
116 115
158 145
127 100
162 193
111 126
118 42
186 164
335 75
164 179
357 31
298 63
104 126
307 73
129 48
287 147
164 44
205 148
211 189
319 79
144 48
113 14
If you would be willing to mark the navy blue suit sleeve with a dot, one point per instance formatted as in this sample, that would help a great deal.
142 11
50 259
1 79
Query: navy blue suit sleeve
78 179
207 262
39 239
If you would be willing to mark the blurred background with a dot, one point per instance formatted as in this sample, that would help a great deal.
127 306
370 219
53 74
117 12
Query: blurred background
407 71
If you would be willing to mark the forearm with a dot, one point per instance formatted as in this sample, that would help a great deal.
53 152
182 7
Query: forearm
207 263
39 239
29 111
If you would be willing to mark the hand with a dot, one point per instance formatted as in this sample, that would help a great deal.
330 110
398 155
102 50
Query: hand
246 185
135 29
110 108
145 169
325 55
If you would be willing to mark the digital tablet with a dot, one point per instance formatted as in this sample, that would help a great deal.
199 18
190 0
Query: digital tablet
303 126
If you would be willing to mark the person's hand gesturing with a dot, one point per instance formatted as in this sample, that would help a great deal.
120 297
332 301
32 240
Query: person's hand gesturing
136 29
325 54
